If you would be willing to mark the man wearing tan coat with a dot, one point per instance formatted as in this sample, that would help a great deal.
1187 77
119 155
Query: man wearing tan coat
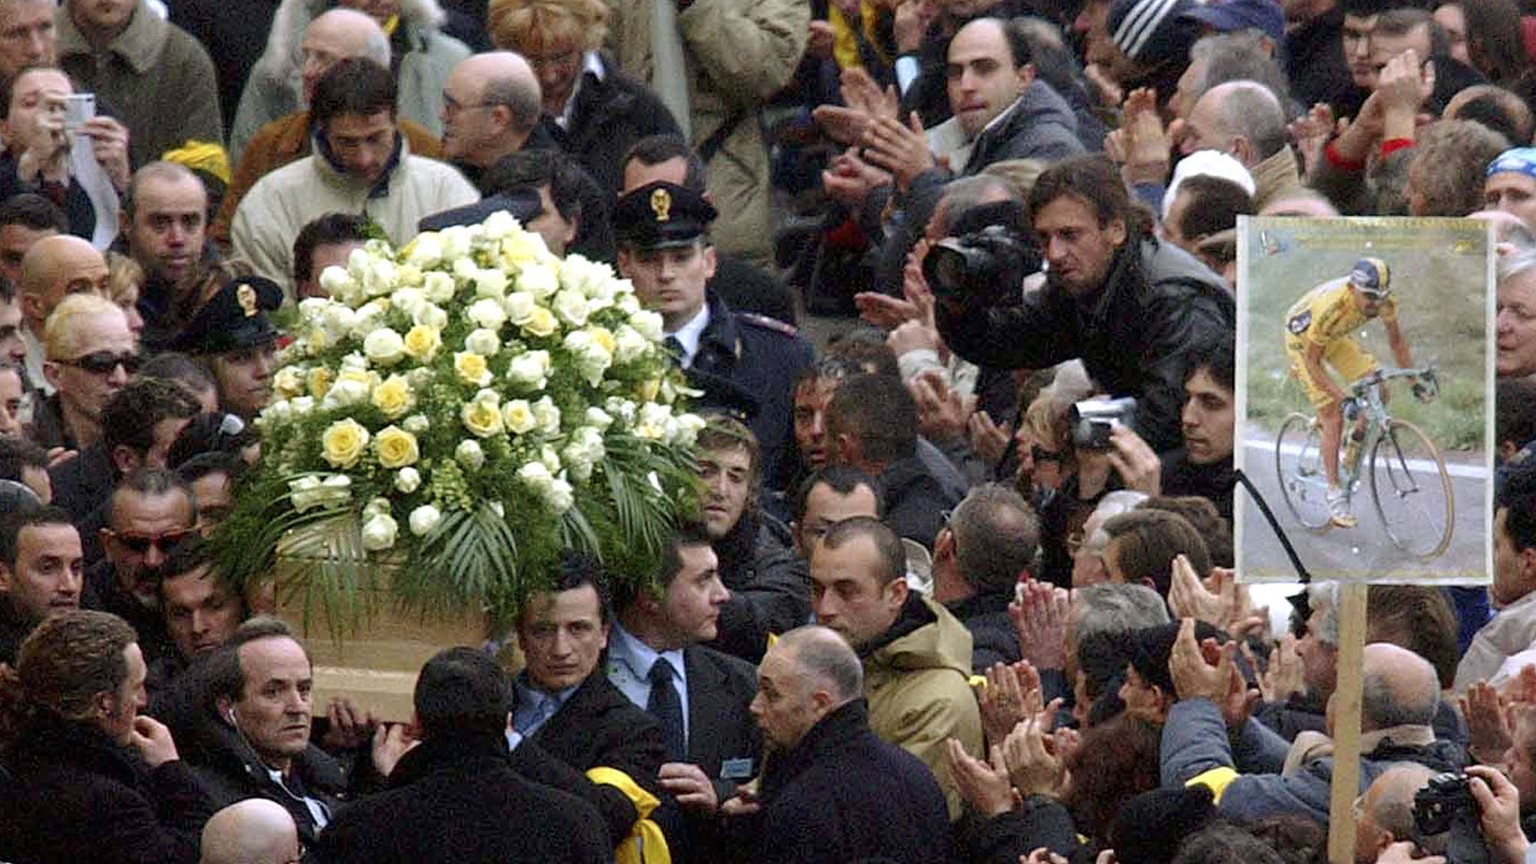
735 55
917 656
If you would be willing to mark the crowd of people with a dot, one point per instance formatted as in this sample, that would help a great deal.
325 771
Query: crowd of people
926 611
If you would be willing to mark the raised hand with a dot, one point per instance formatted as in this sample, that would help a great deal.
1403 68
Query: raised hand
1039 620
983 785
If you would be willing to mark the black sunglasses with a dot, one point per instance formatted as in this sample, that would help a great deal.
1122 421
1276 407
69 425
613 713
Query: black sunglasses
139 544
103 362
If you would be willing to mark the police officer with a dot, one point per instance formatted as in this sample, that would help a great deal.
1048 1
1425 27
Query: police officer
231 335
746 364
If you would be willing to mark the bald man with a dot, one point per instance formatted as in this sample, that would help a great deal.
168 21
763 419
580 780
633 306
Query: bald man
1246 120
1386 810
52 269
491 106
264 147
1400 694
254 831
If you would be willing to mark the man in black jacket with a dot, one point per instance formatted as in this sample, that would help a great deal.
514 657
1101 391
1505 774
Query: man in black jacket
1132 308
698 695
991 539
456 797
567 706
770 587
834 791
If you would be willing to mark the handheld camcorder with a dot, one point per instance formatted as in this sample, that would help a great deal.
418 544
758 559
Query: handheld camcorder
1446 806
1093 419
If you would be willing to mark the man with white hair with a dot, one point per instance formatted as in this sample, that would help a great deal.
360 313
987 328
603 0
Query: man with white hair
258 148
254 831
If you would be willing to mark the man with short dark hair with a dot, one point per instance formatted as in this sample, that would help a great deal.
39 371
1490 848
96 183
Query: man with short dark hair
41 572
979 557
27 35
565 703
769 588
916 654
698 695
202 610
25 219
456 797
1208 422
325 241
1513 592
573 215
834 791
25 462
827 497
872 426
1132 308
362 165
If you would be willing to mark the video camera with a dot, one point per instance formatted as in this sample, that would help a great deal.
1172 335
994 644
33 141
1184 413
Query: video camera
1094 419
1446 805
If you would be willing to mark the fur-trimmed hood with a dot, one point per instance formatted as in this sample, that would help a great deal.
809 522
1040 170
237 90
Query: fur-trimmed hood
281 59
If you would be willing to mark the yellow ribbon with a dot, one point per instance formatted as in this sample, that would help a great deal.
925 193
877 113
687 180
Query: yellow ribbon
1216 779
645 843
201 156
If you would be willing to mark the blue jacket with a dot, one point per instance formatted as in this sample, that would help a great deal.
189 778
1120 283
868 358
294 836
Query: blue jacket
1195 741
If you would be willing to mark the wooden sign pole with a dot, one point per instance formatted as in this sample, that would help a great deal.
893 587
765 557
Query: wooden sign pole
1346 724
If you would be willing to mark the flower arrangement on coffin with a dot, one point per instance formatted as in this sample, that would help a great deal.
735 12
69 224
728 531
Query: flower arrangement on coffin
457 413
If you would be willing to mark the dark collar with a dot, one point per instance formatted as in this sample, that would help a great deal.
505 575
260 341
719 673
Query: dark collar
466 753
914 615
828 737
980 604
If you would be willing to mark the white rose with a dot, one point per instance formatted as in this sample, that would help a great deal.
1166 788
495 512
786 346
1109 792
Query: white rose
456 241
487 313
560 496
431 316
629 345
408 300
547 415
425 251
571 306
337 321
382 277
519 307
338 283
688 427
277 412
464 270
647 324
653 421
302 405
598 419
529 370
379 532
311 308
536 477
518 417
407 480
550 459
469 454
483 342
375 506
424 519
311 491
499 224
621 409
415 424
346 392
384 347
491 284
538 280
438 287
627 302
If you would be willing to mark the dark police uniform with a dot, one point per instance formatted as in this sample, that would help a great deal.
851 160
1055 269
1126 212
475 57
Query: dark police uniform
746 364
233 319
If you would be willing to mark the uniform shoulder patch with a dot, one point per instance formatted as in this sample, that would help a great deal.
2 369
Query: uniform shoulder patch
1299 322
767 323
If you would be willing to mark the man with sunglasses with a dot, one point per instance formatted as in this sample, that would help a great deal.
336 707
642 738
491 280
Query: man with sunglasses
91 354
150 514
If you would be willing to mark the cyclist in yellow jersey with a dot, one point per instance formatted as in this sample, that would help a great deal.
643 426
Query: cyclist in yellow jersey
1319 330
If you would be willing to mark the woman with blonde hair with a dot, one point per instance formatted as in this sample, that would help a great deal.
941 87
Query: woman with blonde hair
595 112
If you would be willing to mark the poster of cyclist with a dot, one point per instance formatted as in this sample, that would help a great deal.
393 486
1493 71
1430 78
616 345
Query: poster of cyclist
1365 399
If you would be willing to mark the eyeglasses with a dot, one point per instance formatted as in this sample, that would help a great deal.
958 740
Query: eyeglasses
140 544
103 362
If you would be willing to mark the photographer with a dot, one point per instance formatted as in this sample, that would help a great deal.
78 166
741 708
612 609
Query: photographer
1131 307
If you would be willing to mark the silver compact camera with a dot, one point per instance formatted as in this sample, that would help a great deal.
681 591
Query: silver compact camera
1094 419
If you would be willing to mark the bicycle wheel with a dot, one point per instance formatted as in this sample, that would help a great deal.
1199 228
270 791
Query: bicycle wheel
1299 470
1412 491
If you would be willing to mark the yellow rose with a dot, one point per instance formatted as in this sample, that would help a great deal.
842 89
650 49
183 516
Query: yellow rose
648 389
393 397
288 382
604 337
395 447
541 323
320 380
482 417
343 443
472 368
519 418
422 342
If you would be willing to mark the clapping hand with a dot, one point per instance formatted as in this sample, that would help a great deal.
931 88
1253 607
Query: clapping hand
1488 727
1033 769
1040 622
984 785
